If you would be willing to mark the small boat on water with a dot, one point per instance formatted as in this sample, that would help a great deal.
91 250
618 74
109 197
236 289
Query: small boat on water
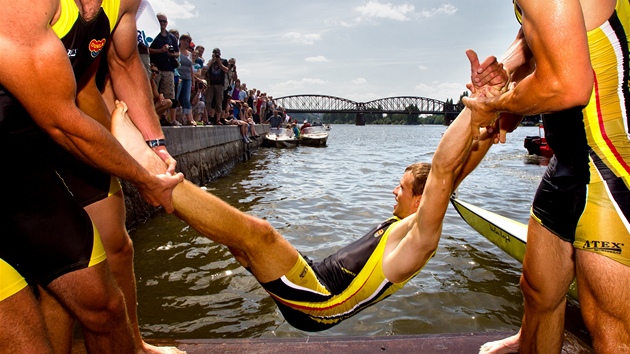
537 144
314 136
280 138
507 234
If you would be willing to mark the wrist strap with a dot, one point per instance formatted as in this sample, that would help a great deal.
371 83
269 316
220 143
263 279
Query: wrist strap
156 143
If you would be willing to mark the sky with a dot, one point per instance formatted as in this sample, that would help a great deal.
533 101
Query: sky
358 50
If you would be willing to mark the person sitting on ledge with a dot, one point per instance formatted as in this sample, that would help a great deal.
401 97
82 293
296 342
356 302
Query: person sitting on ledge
316 296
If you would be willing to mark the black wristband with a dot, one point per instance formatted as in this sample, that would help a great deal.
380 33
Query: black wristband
156 143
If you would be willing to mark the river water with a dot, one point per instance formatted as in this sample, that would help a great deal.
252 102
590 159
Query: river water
321 199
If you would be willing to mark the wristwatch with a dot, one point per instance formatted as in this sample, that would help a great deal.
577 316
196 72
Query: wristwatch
156 143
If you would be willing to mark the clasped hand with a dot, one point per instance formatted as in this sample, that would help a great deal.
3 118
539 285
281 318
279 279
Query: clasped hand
489 80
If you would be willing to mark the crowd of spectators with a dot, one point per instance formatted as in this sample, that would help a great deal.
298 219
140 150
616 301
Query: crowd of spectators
190 90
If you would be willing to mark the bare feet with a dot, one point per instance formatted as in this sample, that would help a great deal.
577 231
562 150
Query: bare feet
505 345
131 139
152 349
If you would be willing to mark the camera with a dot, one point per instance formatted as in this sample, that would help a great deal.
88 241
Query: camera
171 49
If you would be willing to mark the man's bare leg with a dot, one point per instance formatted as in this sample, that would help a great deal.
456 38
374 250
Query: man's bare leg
548 269
604 288
22 328
93 297
109 217
257 245
59 322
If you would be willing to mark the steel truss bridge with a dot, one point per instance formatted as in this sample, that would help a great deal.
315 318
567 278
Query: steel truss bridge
390 105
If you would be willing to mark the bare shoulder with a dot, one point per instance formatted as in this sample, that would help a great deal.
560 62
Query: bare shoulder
25 35
24 19
597 12
129 7
399 231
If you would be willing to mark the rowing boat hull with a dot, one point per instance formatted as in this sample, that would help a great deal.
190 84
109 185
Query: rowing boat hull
507 234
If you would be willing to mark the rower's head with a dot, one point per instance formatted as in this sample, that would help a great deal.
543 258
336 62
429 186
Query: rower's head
409 191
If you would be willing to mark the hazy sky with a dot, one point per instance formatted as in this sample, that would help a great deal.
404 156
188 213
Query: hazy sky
359 50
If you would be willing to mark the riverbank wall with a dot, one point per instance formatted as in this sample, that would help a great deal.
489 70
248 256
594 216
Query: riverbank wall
203 153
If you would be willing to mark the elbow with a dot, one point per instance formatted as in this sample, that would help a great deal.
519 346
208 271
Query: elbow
573 93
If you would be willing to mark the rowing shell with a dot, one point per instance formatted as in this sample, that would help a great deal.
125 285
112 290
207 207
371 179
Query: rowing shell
507 234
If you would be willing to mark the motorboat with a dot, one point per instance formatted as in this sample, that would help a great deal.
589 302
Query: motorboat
537 144
505 233
280 138
314 136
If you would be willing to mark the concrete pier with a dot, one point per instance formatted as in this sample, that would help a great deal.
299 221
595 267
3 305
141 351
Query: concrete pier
449 343
203 153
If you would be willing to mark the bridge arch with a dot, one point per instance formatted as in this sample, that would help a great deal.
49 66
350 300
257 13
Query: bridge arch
311 103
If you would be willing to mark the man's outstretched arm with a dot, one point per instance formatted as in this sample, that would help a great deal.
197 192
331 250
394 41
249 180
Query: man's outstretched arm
419 234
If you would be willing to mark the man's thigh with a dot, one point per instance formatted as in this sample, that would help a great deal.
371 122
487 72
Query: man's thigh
604 289
89 292
22 328
548 266
109 217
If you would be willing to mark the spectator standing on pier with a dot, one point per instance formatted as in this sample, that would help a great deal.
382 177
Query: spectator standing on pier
162 51
186 78
215 75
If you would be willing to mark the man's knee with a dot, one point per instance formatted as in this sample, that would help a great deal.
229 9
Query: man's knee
92 296
101 315
121 251
261 232
543 297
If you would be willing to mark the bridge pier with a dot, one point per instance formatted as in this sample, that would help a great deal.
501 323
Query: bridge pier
359 119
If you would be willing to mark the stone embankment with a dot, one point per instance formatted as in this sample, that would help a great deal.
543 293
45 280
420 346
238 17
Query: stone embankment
202 153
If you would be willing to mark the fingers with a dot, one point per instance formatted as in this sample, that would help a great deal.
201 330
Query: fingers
474 66
167 196
474 60
170 162
488 62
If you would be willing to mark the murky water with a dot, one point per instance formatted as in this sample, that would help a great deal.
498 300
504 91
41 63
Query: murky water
321 199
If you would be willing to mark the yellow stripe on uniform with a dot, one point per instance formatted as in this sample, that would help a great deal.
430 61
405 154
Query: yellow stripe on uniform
11 282
601 120
112 8
67 17
98 251
114 186
70 12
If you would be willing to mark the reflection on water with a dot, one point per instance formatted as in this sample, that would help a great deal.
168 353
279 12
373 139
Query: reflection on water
321 199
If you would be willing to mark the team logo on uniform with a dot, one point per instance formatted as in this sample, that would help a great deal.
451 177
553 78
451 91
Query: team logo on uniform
96 46
604 246
379 233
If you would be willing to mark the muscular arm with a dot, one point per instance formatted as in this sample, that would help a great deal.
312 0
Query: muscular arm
47 90
130 82
129 77
555 33
419 234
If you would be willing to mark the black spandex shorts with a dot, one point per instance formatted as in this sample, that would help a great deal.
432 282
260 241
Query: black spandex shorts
87 184
560 200
44 231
